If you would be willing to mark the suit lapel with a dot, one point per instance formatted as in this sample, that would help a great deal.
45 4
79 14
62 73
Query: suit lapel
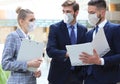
90 35
78 34
106 30
105 27
65 33
20 34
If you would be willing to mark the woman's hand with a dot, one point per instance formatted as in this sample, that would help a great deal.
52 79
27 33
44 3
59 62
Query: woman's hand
34 63
37 73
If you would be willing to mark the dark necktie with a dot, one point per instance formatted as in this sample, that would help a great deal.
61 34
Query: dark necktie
72 35
96 29
73 40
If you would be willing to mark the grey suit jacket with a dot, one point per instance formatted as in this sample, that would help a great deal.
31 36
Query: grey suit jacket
19 73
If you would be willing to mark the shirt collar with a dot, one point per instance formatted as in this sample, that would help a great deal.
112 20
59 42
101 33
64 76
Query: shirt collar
102 24
75 25
25 35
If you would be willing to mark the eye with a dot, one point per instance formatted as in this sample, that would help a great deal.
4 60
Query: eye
31 20
67 11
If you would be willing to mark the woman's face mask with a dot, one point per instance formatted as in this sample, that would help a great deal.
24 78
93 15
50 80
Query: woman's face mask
31 26
93 19
68 18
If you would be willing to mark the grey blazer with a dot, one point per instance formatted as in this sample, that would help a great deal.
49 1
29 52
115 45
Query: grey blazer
19 73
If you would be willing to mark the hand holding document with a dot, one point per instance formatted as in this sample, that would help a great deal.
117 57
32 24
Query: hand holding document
99 43
75 50
30 50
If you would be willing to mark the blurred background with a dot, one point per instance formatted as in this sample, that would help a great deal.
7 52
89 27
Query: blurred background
46 12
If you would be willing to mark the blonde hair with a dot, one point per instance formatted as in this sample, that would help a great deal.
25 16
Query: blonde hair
22 13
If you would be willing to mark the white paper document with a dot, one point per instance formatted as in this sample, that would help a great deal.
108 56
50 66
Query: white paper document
30 50
75 50
99 43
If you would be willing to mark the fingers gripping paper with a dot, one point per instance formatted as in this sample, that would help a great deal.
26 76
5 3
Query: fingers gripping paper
75 50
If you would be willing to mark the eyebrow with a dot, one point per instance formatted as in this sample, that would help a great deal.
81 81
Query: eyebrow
67 11
91 11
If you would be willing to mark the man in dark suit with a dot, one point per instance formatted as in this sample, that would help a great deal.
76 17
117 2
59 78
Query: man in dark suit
105 70
60 35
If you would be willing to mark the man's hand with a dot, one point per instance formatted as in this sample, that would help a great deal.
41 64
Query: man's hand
90 59
67 55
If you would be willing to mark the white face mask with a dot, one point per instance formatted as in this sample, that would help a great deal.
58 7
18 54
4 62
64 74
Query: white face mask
31 26
68 18
93 19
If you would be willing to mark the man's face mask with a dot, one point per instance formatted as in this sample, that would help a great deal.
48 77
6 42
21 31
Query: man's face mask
68 18
93 19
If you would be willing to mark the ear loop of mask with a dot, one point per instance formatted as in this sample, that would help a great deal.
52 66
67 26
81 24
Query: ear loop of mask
74 16
99 19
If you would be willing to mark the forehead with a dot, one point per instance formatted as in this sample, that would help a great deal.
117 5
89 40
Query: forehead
29 16
68 8
92 8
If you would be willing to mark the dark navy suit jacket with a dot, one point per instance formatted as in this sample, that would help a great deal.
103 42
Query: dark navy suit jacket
57 40
110 71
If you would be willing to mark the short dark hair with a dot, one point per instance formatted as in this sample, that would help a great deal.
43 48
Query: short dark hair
73 3
98 3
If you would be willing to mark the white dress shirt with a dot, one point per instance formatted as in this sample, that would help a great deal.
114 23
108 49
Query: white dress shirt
101 25
26 35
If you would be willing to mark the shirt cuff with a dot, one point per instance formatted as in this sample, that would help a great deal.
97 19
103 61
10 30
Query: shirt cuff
25 66
102 61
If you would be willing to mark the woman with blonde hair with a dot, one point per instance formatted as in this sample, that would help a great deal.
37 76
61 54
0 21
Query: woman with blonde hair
19 72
